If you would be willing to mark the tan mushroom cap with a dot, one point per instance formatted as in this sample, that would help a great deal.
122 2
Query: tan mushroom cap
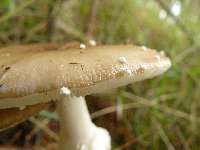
12 116
34 71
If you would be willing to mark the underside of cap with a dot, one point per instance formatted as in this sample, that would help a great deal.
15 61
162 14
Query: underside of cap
41 72
13 116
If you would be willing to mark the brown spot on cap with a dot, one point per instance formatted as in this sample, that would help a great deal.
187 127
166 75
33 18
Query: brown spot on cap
7 68
140 70
74 63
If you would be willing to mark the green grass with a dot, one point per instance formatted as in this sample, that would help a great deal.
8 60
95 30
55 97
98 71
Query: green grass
166 112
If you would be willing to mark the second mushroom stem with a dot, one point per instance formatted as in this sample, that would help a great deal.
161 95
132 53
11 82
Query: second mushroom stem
77 131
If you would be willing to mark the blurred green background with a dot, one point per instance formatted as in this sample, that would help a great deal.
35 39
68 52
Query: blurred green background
162 113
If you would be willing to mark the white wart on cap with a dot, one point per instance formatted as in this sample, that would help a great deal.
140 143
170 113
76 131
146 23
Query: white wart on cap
34 76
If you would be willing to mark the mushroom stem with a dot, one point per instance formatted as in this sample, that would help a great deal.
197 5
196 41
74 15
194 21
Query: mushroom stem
77 131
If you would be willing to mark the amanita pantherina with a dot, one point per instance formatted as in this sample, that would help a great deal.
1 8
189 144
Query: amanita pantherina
67 74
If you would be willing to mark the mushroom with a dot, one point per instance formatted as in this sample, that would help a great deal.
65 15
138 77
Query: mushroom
67 75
